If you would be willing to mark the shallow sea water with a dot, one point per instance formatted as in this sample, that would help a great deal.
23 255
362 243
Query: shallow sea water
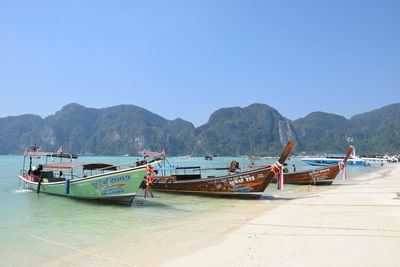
44 229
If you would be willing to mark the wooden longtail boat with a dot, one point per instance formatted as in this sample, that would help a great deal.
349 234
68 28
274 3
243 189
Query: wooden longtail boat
249 183
93 181
317 176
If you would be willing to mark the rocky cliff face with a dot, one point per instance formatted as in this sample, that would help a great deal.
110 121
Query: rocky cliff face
257 129
322 132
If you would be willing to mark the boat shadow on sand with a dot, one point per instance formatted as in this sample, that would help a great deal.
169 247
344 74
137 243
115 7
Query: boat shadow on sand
344 184
276 198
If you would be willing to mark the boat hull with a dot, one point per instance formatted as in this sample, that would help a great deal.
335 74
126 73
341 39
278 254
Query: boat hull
248 184
320 176
118 186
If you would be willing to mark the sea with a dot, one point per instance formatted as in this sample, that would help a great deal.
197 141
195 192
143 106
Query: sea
45 230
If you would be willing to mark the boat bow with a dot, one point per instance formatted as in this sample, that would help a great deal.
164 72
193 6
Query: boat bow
285 154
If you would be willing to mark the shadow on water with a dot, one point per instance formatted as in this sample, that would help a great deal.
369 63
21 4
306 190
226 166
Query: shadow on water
97 203
139 203
199 197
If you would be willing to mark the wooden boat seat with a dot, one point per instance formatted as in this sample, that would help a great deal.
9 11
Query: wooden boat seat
47 174
48 177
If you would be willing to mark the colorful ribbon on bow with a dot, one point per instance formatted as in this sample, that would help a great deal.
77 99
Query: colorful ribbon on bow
343 171
277 169
149 179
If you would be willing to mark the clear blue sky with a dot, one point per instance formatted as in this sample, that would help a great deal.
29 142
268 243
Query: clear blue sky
189 58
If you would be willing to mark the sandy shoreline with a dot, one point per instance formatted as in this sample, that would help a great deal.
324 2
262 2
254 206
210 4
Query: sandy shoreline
351 225
354 223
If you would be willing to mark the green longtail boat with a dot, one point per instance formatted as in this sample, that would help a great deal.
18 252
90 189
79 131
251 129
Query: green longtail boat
92 181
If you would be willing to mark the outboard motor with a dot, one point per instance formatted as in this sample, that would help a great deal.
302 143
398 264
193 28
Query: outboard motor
36 170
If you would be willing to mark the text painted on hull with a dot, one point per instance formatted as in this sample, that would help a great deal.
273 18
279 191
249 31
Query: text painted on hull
242 179
107 187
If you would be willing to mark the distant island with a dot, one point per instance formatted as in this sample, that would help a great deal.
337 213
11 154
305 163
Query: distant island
257 129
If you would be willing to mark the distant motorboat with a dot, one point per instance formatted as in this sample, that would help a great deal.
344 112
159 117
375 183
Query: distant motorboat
335 159
208 157
380 159
187 157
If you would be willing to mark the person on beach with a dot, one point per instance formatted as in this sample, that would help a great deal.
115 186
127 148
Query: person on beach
285 168
294 168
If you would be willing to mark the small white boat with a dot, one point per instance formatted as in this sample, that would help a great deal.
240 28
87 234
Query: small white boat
381 160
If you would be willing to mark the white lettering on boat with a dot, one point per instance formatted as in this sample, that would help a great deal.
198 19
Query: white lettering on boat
240 179
113 192
101 182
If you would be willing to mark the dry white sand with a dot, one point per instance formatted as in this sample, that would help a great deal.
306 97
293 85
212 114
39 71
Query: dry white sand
351 225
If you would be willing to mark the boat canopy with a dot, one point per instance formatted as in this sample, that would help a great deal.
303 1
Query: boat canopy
39 154
251 157
260 165
86 166
335 155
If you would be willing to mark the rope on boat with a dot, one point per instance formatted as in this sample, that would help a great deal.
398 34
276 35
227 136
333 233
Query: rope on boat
343 171
149 180
277 169
313 178
62 245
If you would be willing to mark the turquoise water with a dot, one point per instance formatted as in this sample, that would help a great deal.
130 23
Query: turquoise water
40 228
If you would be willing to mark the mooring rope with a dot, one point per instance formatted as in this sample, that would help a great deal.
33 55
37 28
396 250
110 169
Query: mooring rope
62 245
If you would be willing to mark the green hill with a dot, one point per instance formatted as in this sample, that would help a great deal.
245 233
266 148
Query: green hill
255 130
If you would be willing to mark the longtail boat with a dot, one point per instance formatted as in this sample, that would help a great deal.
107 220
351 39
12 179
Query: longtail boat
250 183
318 176
92 181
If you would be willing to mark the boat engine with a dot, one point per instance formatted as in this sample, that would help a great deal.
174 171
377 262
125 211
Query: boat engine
36 170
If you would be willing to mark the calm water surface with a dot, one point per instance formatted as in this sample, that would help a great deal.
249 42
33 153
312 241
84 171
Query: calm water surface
38 228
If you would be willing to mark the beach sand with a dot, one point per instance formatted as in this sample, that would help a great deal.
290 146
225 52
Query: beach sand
354 224
351 223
